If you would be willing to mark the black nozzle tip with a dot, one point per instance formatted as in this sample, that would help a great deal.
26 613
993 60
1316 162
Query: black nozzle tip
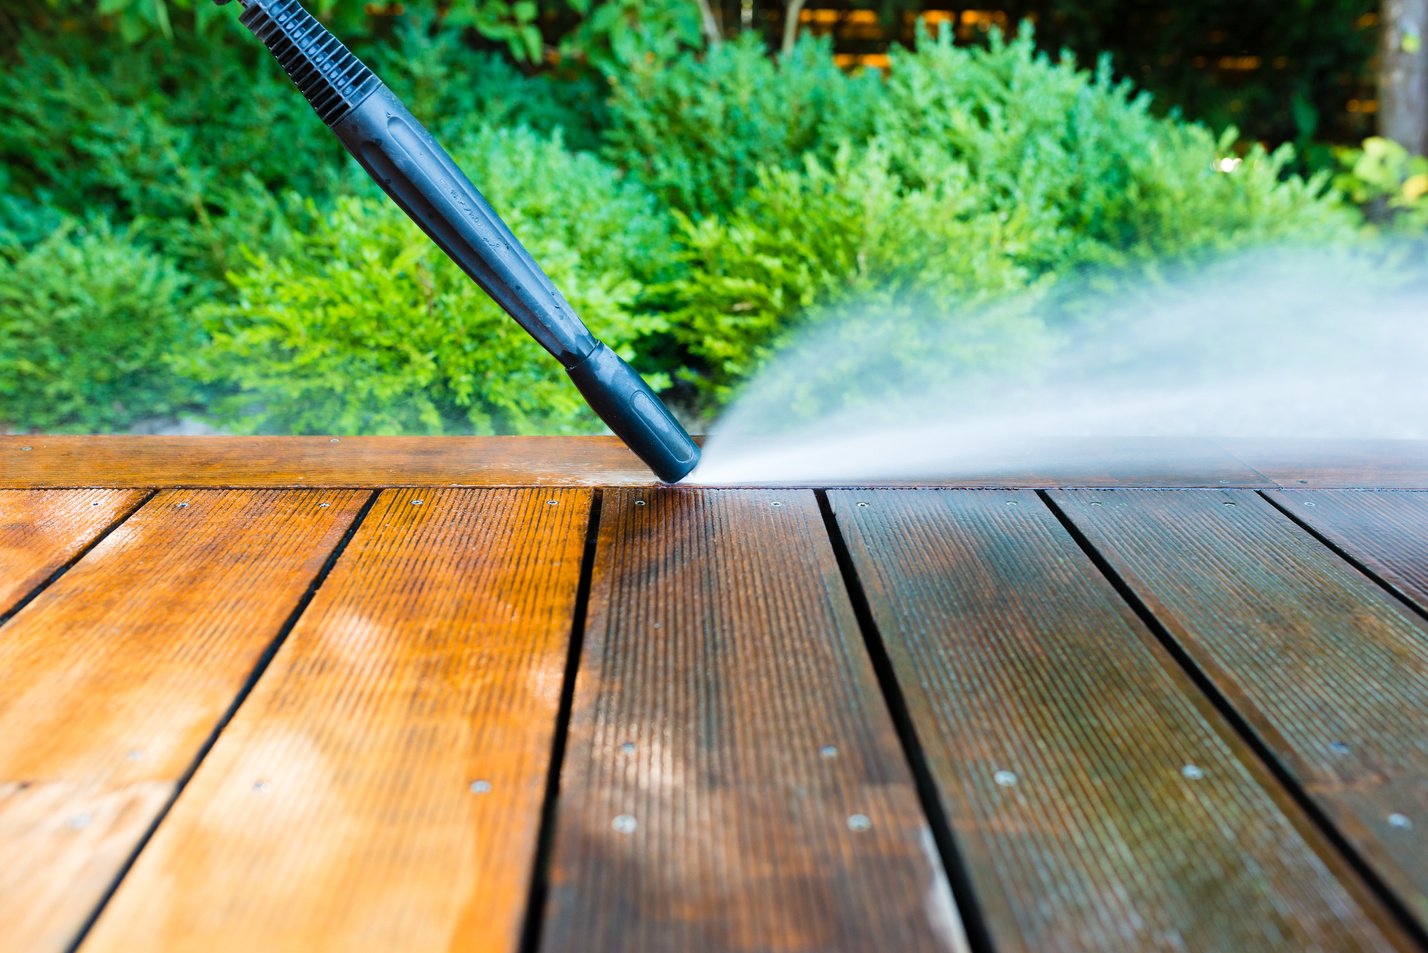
627 405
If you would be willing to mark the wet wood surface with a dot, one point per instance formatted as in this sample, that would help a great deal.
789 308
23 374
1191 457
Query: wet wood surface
42 530
733 779
382 787
1098 802
260 697
139 461
117 675
1328 670
1384 531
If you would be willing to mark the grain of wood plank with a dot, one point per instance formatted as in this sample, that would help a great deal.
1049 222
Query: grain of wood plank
382 787
1336 463
66 461
149 461
1326 668
733 780
1098 800
1385 531
116 676
41 530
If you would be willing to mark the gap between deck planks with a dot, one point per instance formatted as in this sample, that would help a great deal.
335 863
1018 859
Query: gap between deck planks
653 900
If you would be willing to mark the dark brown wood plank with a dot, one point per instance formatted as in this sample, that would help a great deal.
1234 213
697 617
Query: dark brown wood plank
1385 531
1098 800
115 677
382 787
67 461
42 530
1336 463
1327 669
733 780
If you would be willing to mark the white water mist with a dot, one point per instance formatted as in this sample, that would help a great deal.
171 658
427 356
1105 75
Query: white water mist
1330 344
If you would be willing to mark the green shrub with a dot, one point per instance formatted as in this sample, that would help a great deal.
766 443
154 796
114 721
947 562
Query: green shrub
365 327
86 319
696 129
991 170
844 235
1387 184
1085 154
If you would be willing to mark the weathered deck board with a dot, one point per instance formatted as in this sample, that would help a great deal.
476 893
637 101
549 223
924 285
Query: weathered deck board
733 780
337 811
1060 735
68 461
1336 463
42 530
116 676
1386 531
1327 669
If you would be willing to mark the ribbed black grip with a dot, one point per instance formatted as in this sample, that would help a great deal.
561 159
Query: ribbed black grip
325 71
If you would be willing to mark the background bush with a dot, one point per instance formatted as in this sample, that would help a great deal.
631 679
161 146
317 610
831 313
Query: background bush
88 319
364 326
697 206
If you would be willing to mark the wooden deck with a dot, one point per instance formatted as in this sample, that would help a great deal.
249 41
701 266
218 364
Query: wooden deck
390 694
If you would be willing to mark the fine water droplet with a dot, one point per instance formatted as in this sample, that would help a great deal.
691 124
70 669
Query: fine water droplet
828 751
864 505
183 506
27 448
859 822
481 787
1230 503
639 502
416 502
625 824
80 821
260 785
334 440
627 748
1005 778
1338 747
551 502
1192 772
1401 821
775 503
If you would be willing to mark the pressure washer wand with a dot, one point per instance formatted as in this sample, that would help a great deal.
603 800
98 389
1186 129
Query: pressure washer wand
420 177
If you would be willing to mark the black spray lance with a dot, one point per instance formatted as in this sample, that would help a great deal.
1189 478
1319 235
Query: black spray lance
420 177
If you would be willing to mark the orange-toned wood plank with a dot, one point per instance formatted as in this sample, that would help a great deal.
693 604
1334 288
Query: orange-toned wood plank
382 787
1325 667
733 780
61 461
115 677
1385 531
41 530
1098 799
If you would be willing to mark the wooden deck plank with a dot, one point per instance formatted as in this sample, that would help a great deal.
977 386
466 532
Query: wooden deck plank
1097 799
382 787
1328 670
42 530
1400 464
116 676
733 780
70 461
1384 531
145 461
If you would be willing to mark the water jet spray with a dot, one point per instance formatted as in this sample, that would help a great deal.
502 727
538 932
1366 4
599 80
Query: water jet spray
403 158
